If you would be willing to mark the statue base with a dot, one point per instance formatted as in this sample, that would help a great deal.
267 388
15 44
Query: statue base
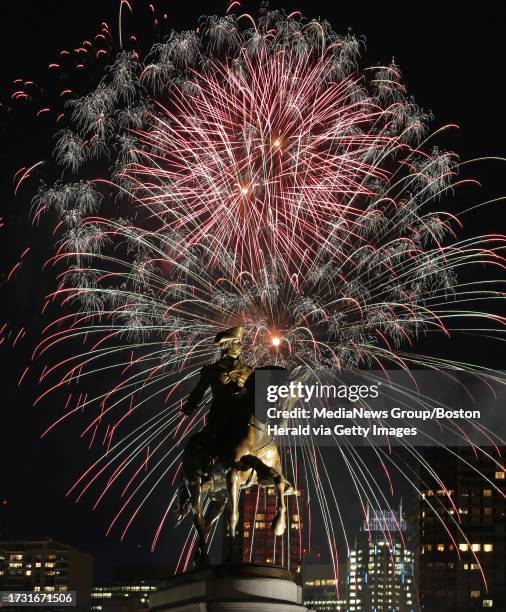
230 588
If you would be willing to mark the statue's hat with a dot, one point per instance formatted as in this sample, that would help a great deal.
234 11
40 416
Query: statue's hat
234 333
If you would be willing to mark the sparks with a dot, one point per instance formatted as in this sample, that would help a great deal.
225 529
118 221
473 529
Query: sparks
284 188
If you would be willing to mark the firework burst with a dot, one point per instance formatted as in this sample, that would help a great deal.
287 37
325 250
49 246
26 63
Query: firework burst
258 177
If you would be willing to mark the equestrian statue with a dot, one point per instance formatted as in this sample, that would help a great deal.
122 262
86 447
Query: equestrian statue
232 452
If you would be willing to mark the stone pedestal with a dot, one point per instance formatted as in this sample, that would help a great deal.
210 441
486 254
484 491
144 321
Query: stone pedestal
230 588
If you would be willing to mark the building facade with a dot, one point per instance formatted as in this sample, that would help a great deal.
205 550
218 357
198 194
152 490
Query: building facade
321 591
46 566
129 590
122 597
381 566
258 542
461 528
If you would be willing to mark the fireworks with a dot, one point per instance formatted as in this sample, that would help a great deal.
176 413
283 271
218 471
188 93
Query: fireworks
259 177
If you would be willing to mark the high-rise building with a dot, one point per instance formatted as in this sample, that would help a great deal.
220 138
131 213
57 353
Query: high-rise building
129 590
258 543
46 566
461 532
381 565
321 591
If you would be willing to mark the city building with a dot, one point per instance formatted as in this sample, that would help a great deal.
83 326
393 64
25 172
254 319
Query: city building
320 589
46 566
258 542
129 590
461 532
381 565
130 597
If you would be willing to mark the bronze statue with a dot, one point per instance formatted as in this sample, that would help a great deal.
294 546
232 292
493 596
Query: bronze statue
232 452
226 378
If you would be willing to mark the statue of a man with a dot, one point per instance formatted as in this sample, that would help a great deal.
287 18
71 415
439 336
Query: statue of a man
226 378
233 451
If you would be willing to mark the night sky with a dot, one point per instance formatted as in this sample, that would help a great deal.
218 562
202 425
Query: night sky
452 57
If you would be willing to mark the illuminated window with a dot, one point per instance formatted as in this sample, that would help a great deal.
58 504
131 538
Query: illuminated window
428 546
430 493
38 564
488 603
475 594
488 547
476 547
487 492
498 476
36 588
464 547
440 547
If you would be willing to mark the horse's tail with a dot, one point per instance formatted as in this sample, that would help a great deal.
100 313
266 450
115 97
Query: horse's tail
183 505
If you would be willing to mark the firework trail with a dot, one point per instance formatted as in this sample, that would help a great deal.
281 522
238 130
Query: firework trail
259 177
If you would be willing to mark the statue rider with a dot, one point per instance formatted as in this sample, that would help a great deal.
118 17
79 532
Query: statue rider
226 378
232 451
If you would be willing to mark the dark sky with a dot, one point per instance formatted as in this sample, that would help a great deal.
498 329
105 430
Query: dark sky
452 57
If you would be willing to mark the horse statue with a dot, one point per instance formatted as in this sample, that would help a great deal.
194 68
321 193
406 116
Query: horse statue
231 453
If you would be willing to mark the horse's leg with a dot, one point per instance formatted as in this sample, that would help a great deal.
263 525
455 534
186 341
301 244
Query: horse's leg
279 522
276 465
184 502
265 472
215 509
233 488
199 522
